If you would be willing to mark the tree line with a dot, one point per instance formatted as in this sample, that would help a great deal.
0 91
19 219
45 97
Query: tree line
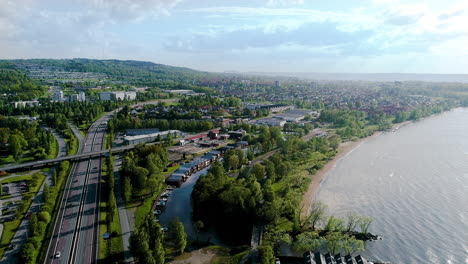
20 137
41 223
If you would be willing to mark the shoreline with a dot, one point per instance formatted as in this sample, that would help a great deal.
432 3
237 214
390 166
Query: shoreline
344 149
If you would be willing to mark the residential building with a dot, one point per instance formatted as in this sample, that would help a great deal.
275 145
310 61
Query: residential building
58 96
26 103
81 96
114 96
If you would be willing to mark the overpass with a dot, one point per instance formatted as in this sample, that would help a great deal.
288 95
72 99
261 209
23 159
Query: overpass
41 163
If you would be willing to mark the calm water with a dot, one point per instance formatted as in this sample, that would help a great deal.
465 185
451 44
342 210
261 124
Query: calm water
179 205
414 182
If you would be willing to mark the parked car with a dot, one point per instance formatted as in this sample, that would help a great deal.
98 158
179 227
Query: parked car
157 212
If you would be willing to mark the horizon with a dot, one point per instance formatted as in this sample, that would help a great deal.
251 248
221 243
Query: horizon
271 36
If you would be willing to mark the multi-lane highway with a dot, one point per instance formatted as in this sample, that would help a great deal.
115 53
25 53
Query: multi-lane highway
75 236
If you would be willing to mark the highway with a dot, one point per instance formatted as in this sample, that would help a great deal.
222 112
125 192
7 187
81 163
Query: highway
75 233
47 162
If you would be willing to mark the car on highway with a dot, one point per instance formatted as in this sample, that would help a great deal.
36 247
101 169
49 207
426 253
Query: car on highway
58 254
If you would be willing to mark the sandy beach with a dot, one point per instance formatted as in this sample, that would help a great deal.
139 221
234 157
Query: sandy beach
344 149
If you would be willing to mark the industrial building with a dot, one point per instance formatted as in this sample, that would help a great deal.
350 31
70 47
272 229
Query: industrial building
271 122
130 140
143 131
295 115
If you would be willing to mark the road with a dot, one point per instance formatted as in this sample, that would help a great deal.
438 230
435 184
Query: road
78 135
76 232
62 145
126 216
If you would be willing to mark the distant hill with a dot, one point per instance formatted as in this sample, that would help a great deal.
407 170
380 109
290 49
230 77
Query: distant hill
383 77
124 70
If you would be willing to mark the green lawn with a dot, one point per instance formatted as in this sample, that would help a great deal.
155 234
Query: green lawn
53 150
7 159
73 147
17 178
9 230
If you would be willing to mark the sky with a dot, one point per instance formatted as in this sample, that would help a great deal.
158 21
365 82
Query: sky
352 36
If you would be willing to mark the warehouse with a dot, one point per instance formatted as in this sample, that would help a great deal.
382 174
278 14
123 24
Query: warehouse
130 140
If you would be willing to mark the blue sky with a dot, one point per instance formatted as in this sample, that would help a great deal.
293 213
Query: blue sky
361 36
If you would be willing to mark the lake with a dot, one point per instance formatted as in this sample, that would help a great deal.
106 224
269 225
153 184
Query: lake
414 183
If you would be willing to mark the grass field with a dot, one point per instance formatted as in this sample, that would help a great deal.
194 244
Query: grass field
53 150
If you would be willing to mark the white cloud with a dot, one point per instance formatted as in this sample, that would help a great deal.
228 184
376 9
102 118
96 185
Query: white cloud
284 2
132 9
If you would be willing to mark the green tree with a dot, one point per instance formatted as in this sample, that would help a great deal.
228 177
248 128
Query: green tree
153 184
233 162
27 254
112 206
199 225
316 215
364 223
33 225
334 224
309 241
127 189
44 217
351 245
16 144
180 237
334 242
266 255
352 222
140 177
258 171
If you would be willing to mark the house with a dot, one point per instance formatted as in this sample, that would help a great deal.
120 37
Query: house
238 134
224 136
213 134
242 144
197 138
175 180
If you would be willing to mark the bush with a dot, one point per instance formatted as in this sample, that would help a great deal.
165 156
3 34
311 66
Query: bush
44 217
